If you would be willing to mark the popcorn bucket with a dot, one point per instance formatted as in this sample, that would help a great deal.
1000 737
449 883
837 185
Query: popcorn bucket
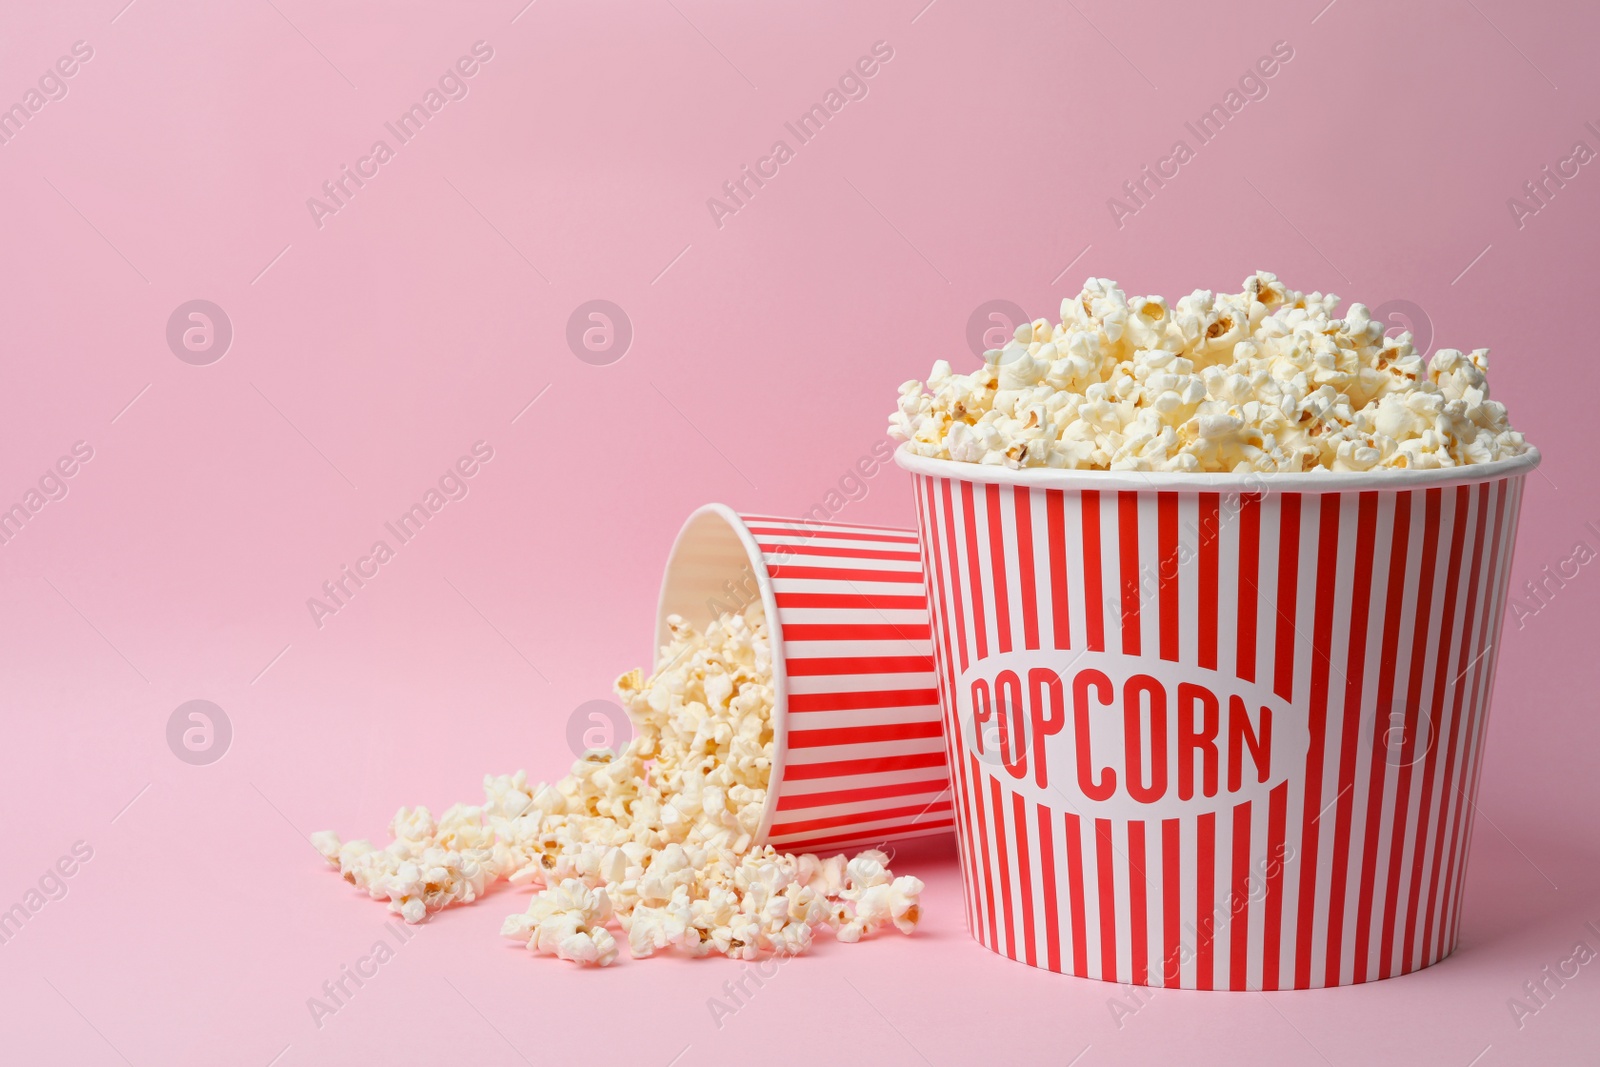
1216 731
859 741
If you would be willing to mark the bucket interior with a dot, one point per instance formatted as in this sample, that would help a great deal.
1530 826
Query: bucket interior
716 566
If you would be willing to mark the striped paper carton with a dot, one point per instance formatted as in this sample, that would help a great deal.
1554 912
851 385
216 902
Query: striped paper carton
1216 731
859 748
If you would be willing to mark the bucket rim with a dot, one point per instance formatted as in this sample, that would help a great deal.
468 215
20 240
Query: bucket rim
1314 482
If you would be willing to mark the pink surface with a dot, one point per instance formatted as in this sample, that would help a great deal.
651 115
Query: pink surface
371 351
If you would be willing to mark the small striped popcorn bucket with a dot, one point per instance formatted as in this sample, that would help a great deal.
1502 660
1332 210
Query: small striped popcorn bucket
1216 731
859 743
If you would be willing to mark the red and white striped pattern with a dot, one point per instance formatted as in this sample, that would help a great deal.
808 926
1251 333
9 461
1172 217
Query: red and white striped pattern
862 756
1348 606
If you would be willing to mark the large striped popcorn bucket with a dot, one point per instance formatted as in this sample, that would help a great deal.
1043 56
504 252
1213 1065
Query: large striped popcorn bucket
858 737
1216 731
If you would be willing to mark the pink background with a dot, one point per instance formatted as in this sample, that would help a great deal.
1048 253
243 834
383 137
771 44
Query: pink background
427 313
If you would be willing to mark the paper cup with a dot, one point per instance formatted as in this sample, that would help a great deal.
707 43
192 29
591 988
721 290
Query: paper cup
858 754
1216 731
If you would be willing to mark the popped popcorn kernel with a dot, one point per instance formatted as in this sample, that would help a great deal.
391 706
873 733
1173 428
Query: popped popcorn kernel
1263 380
657 841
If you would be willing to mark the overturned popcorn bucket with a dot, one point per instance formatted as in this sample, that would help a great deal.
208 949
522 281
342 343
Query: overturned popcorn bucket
1216 731
859 753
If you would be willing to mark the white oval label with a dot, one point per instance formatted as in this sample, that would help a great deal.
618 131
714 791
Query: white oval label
1126 737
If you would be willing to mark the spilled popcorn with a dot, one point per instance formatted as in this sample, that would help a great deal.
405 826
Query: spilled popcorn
658 841
1262 380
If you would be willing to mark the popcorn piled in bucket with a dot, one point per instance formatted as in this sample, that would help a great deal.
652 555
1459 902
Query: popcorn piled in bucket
658 840
1262 380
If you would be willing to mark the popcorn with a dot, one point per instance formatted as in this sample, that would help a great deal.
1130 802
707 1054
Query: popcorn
1263 380
567 921
426 867
657 840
